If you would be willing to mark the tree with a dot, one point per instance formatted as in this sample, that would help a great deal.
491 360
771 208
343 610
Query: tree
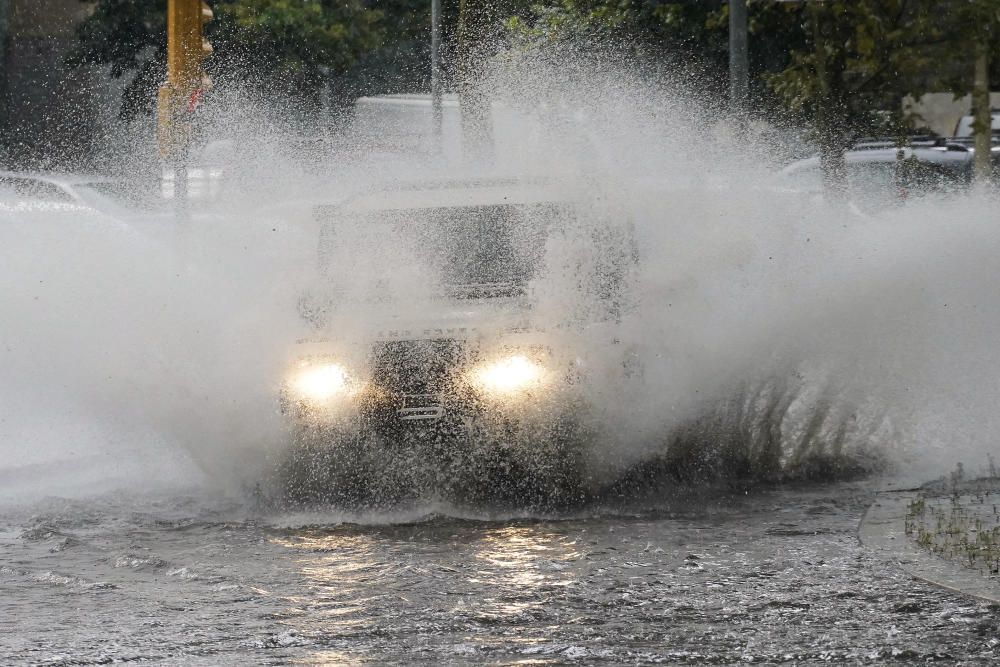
841 65
130 36
859 60
399 63
651 28
285 44
975 28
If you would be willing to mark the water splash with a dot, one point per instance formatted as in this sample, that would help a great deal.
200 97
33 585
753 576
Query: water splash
777 335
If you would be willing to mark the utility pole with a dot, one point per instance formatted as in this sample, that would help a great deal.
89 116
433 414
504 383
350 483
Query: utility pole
4 10
436 110
982 113
739 66
186 82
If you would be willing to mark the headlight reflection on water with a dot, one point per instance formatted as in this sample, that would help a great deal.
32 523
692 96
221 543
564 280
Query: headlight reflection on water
525 566
360 584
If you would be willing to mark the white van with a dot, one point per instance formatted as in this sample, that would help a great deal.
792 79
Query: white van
394 126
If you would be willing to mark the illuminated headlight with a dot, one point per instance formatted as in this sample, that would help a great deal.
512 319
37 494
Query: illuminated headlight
321 382
510 375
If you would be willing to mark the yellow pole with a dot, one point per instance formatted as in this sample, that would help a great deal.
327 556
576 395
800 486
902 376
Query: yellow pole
186 53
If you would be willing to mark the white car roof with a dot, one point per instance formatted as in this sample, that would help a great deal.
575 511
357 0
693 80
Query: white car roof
884 155
406 100
57 178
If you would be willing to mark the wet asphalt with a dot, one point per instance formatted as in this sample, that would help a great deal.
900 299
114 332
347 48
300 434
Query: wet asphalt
680 576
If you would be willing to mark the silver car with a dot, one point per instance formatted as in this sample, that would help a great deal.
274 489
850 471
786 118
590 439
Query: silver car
879 175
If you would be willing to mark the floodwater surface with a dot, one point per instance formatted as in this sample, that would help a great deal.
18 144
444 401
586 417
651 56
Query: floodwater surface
773 575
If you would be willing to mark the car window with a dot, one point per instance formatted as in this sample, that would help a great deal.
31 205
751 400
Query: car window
876 185
925 176
964 127
12 187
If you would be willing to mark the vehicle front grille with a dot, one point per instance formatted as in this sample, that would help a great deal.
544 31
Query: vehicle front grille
416 366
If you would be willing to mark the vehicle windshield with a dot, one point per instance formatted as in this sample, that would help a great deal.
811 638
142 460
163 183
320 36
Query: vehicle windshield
964 127
471 251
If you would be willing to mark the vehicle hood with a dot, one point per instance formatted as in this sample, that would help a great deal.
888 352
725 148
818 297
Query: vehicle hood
431 318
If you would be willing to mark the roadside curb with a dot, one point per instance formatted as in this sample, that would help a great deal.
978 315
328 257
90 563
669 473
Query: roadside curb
883 531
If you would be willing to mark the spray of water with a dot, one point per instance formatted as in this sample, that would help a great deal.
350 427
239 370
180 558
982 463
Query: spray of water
773 334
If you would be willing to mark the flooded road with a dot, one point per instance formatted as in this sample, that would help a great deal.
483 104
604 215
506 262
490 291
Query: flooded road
771 576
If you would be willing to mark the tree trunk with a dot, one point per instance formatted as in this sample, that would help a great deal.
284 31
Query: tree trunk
982 125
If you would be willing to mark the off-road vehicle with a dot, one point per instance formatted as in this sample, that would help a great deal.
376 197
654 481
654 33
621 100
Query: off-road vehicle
451 342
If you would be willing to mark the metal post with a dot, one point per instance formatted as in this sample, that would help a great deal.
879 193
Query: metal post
4 10
178 97
982 113
436 109
739 68
182 210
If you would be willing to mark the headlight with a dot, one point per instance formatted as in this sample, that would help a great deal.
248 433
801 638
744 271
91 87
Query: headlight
321 382
510 375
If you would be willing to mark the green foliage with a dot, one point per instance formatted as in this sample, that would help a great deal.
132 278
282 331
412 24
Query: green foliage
838 61
844 62
649 26
978 20
860 57
401 61
291 43
119 31
131 37
294 37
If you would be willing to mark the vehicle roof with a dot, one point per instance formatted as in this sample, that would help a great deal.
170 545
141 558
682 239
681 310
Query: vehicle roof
936 155
451 194
406 100
57 178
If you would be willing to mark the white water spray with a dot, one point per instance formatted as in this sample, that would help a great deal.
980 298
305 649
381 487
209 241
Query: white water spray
155 352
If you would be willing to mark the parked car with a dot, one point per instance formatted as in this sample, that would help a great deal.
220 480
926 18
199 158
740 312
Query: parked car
61 191
880 175
963 128
39 190
428 354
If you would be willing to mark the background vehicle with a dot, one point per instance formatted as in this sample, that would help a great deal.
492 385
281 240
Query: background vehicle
963 128
93 191
880 175
434 358
387 127
51 191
